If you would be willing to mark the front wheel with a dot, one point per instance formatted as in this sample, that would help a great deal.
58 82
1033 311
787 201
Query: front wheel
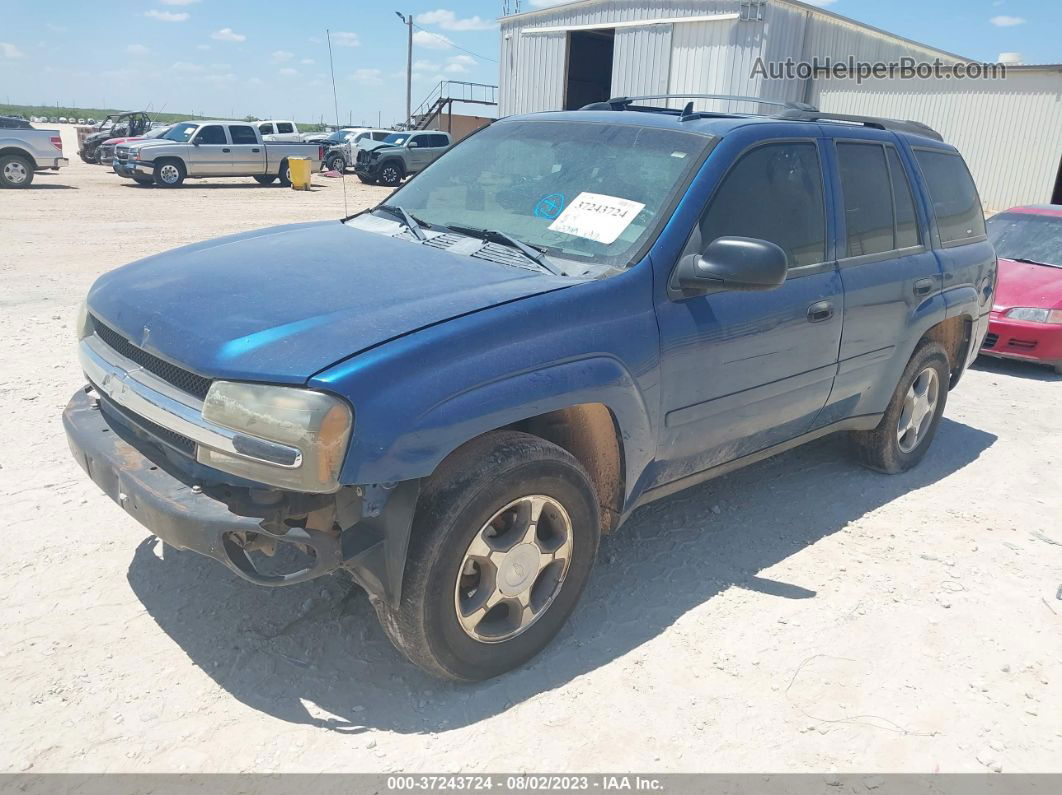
336 163
169 174
15 171
503 541
906 431
391 174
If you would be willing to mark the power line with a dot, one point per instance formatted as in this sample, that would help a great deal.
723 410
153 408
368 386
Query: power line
455 46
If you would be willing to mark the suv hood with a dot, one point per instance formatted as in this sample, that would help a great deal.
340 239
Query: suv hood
284 303
372 146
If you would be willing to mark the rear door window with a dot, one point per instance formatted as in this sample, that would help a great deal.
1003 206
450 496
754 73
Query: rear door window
242 134
902 202
284 127
265 129
868 211
951 189
772 193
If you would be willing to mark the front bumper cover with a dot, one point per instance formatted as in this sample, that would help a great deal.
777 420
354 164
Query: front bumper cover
185 515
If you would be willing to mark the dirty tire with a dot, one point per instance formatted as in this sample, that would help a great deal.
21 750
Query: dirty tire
881 448
265 180
391 174
284 175
467 489
16 171
169 174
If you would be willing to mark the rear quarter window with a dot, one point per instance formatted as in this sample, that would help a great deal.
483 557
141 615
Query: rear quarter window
956 206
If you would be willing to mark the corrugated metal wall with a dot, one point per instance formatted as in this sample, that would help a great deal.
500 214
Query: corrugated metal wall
693 57
1008 130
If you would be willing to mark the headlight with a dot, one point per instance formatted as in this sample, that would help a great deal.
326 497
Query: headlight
81 325
318 425
1034 315
134 154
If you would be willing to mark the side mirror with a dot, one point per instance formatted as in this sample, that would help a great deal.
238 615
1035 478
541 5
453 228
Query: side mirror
195 142
734 263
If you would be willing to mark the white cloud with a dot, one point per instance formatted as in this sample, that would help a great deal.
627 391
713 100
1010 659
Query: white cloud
167 16
345 39
137 49
307 61
227 34
367 77
431 41
448 20
282 56
10 50
178 2
287 71
1004 21
459 64
188 68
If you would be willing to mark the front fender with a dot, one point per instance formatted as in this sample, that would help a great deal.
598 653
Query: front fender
419 397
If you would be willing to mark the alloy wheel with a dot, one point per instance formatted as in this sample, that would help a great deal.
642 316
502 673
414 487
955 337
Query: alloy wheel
919 406
513 569
15 172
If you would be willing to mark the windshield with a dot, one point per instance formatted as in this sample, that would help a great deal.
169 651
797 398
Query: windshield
158 132
587 191
1027 236
337 137
396 138
181 133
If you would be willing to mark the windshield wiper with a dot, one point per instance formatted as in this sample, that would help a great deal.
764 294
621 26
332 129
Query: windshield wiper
1036 262
505 239
411 223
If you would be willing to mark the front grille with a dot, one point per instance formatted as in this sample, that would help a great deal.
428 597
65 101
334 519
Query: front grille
177 376
990 341
165 435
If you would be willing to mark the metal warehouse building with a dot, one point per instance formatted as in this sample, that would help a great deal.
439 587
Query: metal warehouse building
569 55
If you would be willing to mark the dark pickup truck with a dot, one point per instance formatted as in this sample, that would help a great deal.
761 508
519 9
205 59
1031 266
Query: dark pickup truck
452 395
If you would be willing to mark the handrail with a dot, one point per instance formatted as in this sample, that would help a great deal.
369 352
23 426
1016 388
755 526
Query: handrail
455 91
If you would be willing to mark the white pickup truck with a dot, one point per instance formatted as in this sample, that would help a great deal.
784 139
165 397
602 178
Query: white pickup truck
211 149
22 152
279 130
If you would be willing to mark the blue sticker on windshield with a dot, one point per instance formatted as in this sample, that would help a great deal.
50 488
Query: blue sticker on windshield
550 206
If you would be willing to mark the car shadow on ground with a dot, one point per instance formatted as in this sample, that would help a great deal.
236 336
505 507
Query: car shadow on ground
1017 368
38 186
315 654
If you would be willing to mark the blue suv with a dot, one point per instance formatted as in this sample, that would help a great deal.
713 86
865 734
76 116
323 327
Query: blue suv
452 395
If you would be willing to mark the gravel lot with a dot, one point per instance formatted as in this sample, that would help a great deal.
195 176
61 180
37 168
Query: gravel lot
800 615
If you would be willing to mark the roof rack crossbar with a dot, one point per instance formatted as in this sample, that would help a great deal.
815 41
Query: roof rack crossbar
879 123
628 103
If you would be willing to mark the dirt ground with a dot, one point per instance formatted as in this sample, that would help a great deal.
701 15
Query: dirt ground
800 615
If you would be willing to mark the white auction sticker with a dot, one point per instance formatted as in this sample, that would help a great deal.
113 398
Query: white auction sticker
596 216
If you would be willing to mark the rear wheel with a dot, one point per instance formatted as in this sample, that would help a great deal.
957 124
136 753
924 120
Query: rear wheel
169 174
265 180
91 157
16 171
284 175
503 542
906 431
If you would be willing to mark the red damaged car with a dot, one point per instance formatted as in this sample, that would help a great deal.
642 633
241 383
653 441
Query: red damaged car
1026 320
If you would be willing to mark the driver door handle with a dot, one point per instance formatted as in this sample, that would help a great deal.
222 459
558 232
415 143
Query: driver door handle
226 149
820 311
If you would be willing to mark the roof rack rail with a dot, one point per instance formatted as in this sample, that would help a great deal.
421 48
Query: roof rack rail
898 125
628 103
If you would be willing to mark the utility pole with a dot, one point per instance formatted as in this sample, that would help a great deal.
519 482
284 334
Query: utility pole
408 20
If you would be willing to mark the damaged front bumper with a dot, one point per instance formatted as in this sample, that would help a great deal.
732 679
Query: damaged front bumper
362 529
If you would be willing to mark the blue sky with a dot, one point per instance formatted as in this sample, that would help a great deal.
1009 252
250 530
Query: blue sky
237 57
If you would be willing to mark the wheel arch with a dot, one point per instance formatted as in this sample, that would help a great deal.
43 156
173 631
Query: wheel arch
18 152
955 335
